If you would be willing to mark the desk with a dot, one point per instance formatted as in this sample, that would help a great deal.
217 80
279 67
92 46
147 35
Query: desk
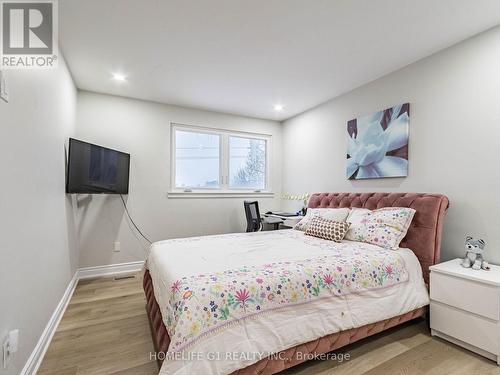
277 220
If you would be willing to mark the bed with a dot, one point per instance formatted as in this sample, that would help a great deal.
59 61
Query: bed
262 302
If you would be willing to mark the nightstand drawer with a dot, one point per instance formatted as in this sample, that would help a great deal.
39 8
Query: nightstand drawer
471 329
478 298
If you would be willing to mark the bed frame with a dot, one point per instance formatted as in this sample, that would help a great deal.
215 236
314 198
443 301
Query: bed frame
423 237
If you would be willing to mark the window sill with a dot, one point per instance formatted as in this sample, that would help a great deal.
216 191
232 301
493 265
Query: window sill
218 194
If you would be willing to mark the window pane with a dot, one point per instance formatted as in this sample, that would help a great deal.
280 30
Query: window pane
247 163
196 159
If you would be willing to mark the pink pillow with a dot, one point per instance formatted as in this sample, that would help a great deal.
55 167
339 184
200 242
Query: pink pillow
385 227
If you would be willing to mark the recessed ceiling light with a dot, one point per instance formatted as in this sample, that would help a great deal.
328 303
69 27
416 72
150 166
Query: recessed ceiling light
278 107
119 77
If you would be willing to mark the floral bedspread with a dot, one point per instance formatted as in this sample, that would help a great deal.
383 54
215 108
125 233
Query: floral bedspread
200 305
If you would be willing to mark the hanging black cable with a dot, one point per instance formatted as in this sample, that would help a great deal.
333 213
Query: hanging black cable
132 221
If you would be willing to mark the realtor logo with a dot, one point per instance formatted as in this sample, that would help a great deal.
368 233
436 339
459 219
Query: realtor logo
29 34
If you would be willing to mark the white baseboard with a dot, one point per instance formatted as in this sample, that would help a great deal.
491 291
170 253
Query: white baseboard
109 270
35 360
36 357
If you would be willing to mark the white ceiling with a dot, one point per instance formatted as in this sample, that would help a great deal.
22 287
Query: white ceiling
243 57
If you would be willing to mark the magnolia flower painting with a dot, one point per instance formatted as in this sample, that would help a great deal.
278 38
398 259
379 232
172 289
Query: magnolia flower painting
378 144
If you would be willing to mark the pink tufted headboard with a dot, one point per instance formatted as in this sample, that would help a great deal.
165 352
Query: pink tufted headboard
424 235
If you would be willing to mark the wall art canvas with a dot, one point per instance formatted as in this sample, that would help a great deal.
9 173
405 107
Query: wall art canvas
377 145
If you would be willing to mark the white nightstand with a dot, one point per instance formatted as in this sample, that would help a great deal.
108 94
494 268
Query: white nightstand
465 307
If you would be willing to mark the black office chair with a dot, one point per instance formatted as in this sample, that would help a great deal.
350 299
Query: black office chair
254 221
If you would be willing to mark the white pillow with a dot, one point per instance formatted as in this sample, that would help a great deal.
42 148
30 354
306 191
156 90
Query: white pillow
337 214
385 227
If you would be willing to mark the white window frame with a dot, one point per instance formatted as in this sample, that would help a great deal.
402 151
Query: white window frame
223 190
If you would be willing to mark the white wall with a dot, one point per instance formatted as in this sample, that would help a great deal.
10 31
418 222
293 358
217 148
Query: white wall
38 255
143 129
454 138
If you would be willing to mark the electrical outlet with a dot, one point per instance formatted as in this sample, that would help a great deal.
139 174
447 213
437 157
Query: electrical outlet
10 346
4 89
117 247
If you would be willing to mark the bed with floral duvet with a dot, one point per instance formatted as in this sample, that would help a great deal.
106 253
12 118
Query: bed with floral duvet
238 303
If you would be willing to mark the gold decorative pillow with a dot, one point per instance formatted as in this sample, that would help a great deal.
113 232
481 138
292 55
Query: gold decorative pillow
327 229
337 214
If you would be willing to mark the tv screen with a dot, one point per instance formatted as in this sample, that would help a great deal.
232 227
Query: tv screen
94 169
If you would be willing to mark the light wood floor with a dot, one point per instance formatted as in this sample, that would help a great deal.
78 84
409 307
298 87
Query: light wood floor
105 330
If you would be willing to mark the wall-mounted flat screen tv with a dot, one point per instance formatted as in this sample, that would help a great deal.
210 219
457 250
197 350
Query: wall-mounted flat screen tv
94 169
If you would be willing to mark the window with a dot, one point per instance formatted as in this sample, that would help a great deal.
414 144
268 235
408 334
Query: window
197 159
247 163
218 161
